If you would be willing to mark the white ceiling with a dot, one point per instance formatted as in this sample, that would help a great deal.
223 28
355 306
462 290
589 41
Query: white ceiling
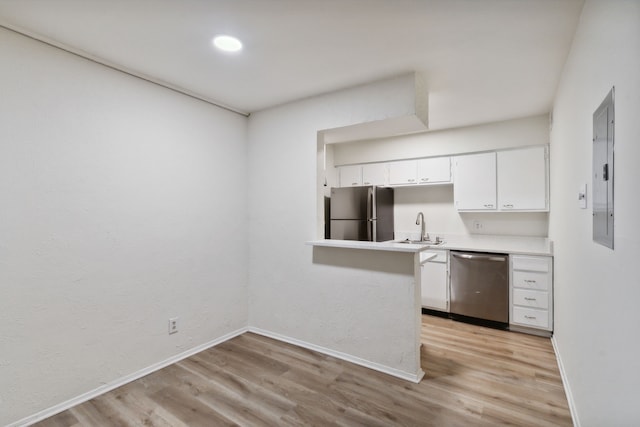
485 60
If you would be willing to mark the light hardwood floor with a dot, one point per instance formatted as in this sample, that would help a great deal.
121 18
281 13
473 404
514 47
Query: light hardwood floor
475 376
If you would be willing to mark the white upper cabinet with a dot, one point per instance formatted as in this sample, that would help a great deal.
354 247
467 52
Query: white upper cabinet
475 182
374 174
402 173
350 176
357 175
522 179
434 170
507 180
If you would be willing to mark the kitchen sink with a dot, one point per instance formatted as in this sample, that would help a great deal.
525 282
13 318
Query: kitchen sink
421 242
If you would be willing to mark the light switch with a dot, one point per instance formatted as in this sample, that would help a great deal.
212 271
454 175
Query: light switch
582 196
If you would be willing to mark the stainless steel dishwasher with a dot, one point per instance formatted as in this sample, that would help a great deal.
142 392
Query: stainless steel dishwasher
480 285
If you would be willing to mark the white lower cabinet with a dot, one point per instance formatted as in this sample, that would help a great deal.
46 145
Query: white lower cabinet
434 278
531 290
530 318
527 298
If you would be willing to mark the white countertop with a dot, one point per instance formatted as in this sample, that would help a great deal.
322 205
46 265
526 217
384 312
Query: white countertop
500 244
479 243
374 246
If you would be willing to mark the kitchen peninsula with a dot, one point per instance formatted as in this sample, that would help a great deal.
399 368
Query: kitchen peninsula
382 292
380 303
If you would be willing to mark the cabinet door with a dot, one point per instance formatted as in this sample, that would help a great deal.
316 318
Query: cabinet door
402 172
436 169
374 174
434 286
522 179
474 182
350 176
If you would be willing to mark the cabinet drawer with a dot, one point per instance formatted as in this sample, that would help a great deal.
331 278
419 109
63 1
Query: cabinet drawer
531 317
529 263
536 299
531 280
441 256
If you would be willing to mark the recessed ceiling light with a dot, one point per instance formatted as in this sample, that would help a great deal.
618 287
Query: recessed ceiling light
227 43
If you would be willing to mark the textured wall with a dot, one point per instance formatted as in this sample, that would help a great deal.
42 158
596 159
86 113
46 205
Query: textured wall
122 204
596 288
340 307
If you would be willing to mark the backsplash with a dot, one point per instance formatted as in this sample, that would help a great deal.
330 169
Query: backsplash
442 218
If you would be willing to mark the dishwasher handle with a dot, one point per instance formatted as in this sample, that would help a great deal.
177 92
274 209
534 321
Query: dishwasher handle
481 257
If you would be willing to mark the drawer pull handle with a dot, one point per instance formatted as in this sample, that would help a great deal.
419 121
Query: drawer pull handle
529 299
530 281
530 317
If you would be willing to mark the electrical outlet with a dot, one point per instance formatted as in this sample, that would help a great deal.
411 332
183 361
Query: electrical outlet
477 225
173 325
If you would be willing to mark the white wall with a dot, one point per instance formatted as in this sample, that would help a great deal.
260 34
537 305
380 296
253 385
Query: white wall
123 204
442 218
596 289
341 307
485 137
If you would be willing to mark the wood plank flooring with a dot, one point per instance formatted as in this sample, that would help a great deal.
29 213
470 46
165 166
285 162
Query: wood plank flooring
475 376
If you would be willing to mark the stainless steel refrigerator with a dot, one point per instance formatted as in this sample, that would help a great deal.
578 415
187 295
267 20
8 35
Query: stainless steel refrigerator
362 213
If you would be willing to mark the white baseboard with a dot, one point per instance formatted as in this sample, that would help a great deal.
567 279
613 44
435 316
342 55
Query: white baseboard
565 383
413 377
39 416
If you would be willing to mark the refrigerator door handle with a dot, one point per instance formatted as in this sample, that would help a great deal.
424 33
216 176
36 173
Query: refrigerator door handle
371 214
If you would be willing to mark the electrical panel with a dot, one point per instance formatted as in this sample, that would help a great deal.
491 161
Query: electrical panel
603 150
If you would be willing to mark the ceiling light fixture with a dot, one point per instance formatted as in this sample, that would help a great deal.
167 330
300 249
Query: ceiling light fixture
227 43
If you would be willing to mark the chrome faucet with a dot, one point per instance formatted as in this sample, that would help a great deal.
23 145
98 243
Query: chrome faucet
420 222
